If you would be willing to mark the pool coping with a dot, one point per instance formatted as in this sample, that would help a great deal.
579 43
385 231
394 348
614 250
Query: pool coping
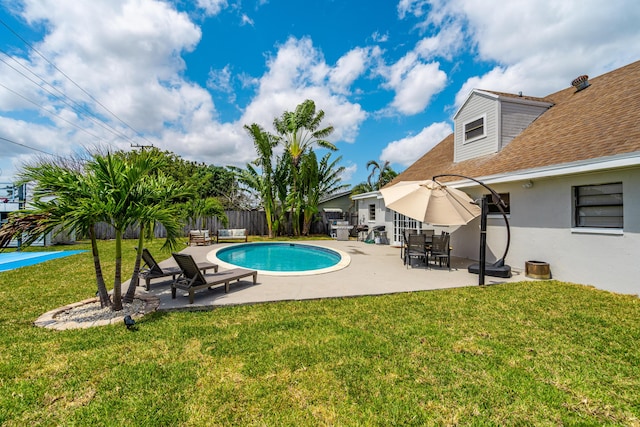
345 260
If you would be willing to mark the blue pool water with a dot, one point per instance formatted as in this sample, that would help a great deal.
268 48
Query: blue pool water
279 257
13 260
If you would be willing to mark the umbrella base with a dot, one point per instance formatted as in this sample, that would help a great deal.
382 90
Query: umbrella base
493 270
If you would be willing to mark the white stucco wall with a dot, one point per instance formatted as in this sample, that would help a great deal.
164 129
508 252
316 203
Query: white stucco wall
362 205
541 230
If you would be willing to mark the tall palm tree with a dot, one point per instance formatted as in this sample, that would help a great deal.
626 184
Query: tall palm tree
301 131
282 179
263 183
300 128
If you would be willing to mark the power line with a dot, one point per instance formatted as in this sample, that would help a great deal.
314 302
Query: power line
143 147
139 134
26 146
50 112
77 107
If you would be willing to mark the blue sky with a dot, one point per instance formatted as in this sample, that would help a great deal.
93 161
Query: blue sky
186 76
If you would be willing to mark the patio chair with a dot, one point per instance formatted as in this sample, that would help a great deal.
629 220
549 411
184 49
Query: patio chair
428 235
191 278
416 248
404 243
440 250
152 270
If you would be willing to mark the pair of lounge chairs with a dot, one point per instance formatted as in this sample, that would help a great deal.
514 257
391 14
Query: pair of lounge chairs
191 276
152 270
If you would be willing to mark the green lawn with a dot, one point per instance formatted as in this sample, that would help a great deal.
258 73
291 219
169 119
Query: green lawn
534 353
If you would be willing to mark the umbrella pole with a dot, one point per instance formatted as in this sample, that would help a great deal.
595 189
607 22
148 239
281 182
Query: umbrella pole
505 270
483 239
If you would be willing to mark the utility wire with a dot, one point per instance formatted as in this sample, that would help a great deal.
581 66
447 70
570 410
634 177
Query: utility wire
71 80
26 146
50 112
77 107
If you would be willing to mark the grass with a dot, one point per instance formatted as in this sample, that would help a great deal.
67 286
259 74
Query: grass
534 353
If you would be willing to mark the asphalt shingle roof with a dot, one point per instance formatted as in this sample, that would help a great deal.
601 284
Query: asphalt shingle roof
599 121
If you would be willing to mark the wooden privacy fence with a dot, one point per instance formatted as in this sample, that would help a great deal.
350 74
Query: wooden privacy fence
254 221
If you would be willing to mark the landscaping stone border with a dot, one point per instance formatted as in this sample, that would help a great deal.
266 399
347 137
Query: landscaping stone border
48 320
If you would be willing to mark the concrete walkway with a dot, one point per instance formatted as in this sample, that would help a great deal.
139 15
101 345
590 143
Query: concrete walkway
374 270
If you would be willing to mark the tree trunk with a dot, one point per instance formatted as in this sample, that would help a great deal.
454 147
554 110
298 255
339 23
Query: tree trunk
133 283
117 280
105 300
306 225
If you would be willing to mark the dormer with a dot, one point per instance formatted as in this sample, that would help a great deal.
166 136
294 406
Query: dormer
487 121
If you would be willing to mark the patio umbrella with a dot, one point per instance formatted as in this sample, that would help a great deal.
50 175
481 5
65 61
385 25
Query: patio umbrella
430 202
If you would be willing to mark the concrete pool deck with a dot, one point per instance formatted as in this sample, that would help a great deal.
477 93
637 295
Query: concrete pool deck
374 270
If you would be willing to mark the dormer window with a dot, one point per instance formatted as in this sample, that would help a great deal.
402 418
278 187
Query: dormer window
475 129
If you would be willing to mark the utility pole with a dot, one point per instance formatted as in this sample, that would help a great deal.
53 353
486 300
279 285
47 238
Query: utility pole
143 147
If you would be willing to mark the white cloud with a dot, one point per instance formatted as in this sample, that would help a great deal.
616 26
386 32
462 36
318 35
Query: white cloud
348 68
245 20
537 46
414 82
407 150
220 80
379 37
348 172
212 7
447 43
298 72
413 7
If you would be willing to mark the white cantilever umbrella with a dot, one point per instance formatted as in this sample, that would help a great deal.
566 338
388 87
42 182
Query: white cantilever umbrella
431 202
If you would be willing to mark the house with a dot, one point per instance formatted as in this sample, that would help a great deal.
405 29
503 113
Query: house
15 197
568 166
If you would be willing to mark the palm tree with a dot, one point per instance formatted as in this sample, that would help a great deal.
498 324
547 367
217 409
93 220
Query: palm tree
118 181
281 180
384 172
330 179
156 204
309 189
301 131
67 198
263 183
196 209
363 187
319 179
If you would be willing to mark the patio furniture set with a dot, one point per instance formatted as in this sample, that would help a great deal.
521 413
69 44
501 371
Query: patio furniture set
426 245
202 237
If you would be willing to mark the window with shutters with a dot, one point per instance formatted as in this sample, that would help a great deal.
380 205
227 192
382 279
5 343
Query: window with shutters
475 129
598 206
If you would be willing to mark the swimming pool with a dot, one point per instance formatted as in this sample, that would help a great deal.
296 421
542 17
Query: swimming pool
13 260
281 258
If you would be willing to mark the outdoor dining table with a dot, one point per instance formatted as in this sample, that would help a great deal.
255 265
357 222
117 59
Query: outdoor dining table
428 246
